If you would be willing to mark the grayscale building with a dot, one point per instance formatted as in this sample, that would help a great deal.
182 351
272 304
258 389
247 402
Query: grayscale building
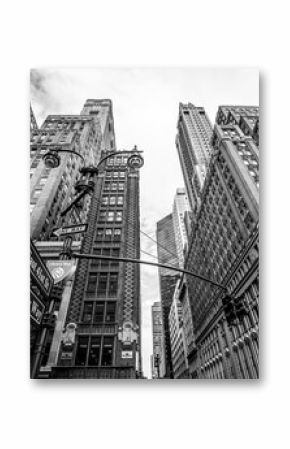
97 333
194 149
167 254
224 247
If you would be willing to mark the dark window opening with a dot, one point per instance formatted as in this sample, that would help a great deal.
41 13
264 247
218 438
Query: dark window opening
88 312
107 355
95 350
81 353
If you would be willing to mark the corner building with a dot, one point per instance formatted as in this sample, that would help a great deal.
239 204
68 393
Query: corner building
224 247
105 303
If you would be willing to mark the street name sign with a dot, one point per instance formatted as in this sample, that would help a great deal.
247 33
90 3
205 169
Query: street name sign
61 269
72 229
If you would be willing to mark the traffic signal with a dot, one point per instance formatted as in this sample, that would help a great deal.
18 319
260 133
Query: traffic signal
234 308
229 309
240 307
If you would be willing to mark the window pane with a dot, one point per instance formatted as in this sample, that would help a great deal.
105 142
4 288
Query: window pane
106 252
110 312
88 312
107 355
113 284
102 285
95 349
81 353
92 282
99 312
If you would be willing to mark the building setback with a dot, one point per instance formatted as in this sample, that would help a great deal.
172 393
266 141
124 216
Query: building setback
194 149
167 254
224 247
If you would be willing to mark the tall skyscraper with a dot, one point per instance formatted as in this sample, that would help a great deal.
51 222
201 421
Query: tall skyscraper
167 254
180 207
224 247
194 149
105 302
158 360
102 315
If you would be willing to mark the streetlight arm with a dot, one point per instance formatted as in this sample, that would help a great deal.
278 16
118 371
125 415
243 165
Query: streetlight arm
145 262
73 152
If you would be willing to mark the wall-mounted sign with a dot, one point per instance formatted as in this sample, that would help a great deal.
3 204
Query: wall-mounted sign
127 354
36 308
61 269
39 272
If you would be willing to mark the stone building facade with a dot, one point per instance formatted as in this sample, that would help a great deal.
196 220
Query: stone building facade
104 309
224 247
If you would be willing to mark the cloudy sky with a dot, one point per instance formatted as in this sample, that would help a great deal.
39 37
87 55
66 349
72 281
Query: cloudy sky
145 107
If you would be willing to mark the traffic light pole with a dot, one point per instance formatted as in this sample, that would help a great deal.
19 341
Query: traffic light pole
145 262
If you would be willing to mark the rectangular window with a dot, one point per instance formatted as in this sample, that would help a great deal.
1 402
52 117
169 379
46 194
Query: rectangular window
117 235
100 233
92 282
95 350
115 174
122 174
43 181
110 312
36 193
114 186
119 216
121 186
112 200
81 352
120 200
110 216
102 217
88 312
113 285
105 200
108 234
105 252
107 353
95 262
115 253
102 285
99 312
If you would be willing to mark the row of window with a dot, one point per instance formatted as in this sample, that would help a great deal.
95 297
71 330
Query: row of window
94 351
99 312
108 234
113 252
113 186
115 174
102 284
112 200
110 216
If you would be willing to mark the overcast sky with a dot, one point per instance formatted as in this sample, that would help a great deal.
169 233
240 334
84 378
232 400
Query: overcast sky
145 107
